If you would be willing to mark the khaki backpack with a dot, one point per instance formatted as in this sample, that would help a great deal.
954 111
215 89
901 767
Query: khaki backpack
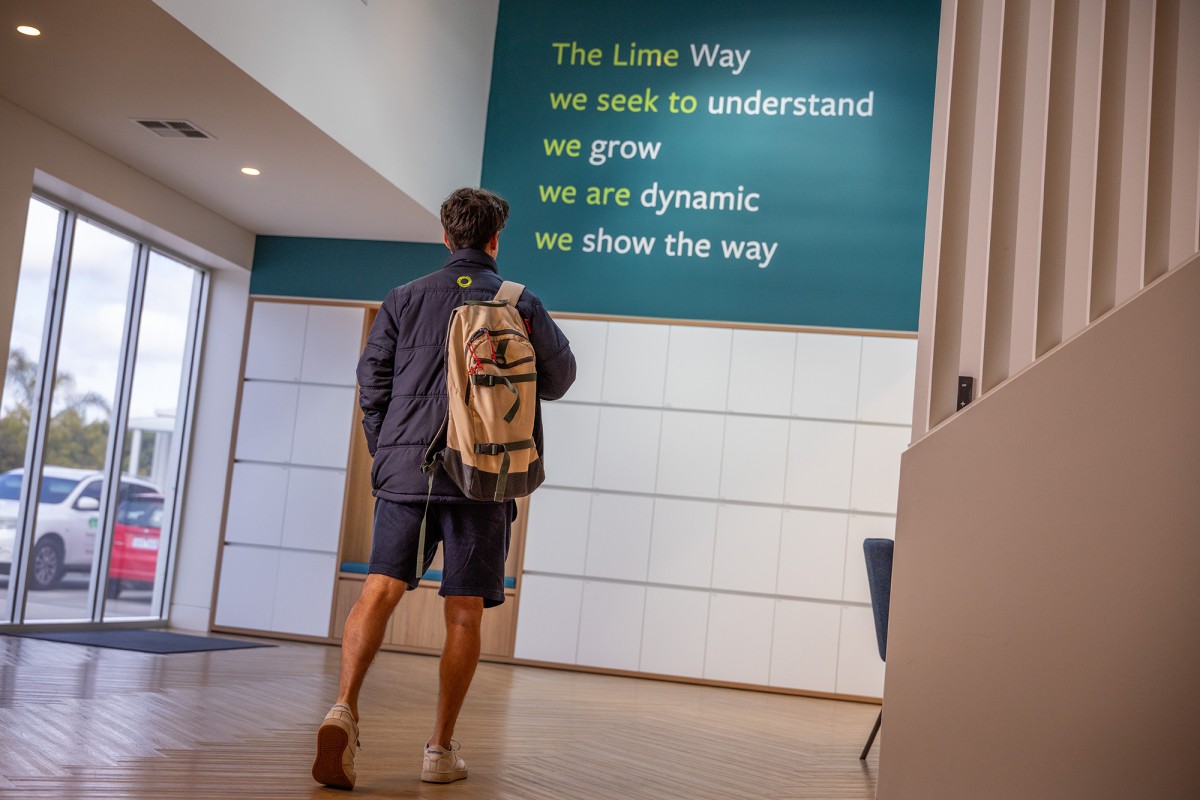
486 444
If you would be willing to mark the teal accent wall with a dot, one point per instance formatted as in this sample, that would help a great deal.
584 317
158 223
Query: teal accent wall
338 269
829 208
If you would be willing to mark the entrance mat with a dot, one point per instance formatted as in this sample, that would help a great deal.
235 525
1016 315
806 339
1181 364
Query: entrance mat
143 641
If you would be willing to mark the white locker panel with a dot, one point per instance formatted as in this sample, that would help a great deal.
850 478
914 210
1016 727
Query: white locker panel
804 649
760 373
876 482
755 459
689 454
267 422
332 345
619 537
304 593
827 370
627 449
635 364
570 452
610 625
888 377
856 589
681 546
812 554
257 496
739 638
556 537
820 459
747 550
698 368
312 518
324 417
674 632
275 348
860 670
548 619
247 589
588 338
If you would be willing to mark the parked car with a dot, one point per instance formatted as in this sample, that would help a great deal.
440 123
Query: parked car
136 534
67 519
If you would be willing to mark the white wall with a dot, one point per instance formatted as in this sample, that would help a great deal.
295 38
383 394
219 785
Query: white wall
1043 637
192 595
707 493
38 154
402 84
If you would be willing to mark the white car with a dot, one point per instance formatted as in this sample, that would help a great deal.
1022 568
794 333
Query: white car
67 519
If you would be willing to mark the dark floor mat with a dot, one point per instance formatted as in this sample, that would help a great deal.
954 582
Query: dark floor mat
143 641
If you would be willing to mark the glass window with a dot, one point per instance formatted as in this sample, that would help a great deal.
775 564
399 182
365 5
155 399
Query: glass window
54 490
123 320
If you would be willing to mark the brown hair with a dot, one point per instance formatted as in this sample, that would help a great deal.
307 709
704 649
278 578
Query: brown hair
471 217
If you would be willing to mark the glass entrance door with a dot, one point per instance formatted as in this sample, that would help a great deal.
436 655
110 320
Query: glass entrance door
152 446
104 398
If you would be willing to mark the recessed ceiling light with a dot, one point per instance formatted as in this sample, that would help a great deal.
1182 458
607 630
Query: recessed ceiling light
28 30
250 171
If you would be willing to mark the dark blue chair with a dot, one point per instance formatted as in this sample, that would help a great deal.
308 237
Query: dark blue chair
878 553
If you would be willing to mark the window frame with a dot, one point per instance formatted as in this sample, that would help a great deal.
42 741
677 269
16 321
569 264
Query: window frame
14 608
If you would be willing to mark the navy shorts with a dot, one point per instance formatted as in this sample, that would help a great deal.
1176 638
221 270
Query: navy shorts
474 539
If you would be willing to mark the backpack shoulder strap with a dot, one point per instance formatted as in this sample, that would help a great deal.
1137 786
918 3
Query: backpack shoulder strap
510 292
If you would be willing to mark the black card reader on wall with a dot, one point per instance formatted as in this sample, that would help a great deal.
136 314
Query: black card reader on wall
966 391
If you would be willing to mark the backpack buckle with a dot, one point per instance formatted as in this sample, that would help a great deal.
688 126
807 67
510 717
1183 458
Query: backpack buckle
482 449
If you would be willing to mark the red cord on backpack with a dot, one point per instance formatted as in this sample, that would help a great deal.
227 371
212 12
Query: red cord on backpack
476 362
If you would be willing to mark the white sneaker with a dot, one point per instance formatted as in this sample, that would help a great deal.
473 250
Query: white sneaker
442 765
336 740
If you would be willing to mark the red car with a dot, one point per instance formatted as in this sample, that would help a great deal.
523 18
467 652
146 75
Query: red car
136 533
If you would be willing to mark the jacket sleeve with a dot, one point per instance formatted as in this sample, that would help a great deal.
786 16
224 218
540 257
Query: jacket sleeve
375 373
555 361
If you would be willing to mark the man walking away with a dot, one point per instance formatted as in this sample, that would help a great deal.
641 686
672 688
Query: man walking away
402 383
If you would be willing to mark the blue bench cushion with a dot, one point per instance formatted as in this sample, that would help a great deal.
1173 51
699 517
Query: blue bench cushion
359 568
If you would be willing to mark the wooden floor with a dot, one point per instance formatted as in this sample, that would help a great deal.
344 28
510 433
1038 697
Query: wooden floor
83 722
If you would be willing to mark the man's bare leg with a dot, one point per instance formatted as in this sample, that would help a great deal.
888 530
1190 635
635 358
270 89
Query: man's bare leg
460 656
364 634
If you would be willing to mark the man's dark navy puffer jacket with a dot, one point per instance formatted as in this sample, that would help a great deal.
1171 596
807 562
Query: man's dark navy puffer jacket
402 372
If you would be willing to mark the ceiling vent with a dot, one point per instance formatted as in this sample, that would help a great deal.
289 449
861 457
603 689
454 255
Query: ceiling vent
174 129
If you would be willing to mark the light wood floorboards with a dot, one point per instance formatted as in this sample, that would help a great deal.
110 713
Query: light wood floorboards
82 722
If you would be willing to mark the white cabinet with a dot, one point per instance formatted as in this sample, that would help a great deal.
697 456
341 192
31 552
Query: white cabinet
610 625
267 421
674 632
619 537
635 364
760 373
548 623
804 651
627 449
557 534
284 517
275 589
708 490
271 353
698 368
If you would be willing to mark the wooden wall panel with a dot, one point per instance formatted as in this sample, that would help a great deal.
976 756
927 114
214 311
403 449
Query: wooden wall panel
960 146
931 266
1065 177
983 189
1081 192
1027 243
1123 155
1185 163
1162 139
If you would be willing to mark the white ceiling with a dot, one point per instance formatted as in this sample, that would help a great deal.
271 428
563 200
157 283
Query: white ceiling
101 63
402 84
